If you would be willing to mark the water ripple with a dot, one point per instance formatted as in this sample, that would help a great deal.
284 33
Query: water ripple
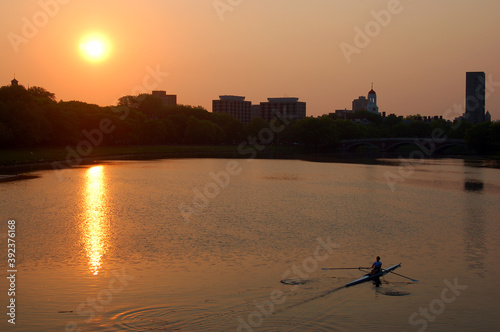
168 318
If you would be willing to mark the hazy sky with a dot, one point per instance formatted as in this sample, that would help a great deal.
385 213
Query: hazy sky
416 52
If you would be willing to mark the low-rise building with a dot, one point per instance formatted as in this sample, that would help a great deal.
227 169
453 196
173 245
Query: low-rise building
343 114
168 100
360 104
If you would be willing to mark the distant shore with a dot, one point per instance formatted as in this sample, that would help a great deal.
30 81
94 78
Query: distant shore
19 161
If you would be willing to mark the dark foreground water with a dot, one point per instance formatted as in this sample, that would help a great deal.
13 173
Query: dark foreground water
202 245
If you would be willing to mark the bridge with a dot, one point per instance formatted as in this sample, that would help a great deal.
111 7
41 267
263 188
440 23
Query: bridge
427 145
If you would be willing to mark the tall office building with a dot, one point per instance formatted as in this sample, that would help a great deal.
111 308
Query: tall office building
235 106
286 108
475 97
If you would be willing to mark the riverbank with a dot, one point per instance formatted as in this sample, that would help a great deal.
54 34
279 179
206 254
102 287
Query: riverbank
18 161
15 161
16 177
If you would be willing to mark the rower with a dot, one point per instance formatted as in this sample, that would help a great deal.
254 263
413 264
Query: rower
376 266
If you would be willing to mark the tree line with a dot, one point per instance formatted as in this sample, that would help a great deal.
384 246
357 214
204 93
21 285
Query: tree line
483 138
33 118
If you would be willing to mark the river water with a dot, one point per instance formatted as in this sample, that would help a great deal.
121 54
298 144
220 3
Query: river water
239 245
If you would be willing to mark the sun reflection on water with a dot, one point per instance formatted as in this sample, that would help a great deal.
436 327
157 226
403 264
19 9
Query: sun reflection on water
95 223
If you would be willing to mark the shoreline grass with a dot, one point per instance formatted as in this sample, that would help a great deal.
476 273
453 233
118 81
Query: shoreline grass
10 157
14 161
21 160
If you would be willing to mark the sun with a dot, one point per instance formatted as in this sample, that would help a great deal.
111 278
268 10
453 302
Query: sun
95 47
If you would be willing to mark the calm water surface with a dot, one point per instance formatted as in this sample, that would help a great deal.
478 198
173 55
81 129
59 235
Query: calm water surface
108 249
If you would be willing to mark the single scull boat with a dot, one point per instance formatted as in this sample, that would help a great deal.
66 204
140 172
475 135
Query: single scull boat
375 277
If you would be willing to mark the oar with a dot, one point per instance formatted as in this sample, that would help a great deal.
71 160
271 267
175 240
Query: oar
404 276
344 268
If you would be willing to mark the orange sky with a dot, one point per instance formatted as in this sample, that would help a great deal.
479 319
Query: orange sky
416 54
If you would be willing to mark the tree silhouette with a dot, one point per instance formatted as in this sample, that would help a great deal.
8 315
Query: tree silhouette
31 117
39 92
